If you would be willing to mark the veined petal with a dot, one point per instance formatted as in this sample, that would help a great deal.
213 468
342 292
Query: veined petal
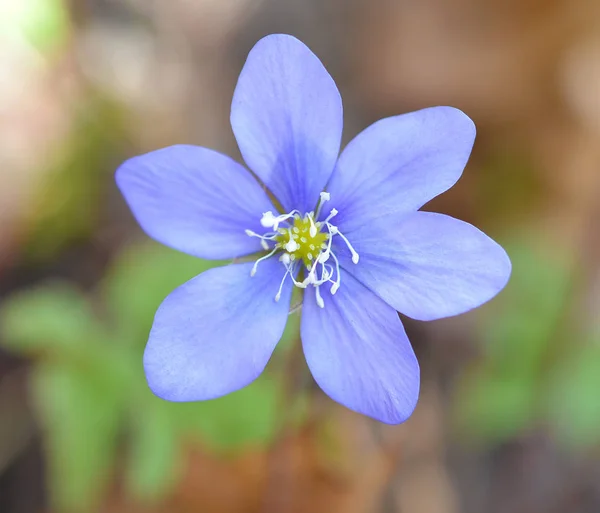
358 352
427 265
195 200
398 164
286 115
216 333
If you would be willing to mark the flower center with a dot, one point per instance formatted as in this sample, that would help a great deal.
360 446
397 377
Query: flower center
304 247
304 240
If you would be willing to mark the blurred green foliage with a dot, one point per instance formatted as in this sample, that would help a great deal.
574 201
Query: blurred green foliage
536 370
42 23
91 395
572 404
68 200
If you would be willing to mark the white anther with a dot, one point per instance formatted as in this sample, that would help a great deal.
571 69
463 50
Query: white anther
325 196
291 246
285 258
331 215
268 220
264 244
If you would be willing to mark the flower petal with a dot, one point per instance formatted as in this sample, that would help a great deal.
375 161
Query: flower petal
216 333
398 164
428 266
286 115
195 200
358 352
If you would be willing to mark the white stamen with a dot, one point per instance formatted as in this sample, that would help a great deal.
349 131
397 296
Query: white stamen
338 278
313 229
355 255
332 214
263 238
325 255
325 196
290 242
319 298
292 245
269 255
278 295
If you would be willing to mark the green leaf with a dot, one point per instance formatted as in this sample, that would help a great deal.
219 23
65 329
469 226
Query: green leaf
235 421
493 407
52 319
139 280
528 311
79 409
155 452
572 398
499 396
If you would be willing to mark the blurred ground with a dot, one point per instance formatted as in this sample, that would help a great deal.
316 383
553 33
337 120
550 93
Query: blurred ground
509 418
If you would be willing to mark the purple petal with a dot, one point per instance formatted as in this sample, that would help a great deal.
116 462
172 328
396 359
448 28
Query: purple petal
398 164
195 200
358 352
216 333
287 118
428 266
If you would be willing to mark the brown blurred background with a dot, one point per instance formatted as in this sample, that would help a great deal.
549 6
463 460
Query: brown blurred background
509 416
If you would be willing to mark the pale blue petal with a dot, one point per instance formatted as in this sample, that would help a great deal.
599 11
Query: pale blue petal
287 118
427 265
398 164
216 333
358 352
195 200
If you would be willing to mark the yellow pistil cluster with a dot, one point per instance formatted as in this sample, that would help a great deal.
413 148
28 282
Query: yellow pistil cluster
298 242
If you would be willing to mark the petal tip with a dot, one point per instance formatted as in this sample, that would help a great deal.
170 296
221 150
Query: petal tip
402 412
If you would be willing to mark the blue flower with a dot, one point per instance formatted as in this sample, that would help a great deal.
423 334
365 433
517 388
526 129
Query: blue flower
346 229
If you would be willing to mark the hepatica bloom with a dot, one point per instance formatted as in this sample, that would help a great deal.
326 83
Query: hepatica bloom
345 229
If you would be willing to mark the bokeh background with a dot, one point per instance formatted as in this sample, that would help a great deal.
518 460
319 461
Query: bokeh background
509 415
